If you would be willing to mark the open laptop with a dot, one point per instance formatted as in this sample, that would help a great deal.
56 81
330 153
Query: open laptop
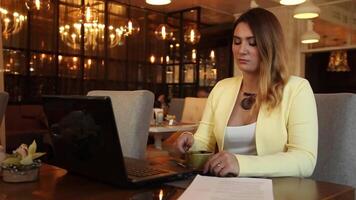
86 142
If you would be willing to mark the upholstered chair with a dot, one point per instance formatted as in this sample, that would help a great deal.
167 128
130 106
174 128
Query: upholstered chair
133 112
193 109
176 106
336 160
192 113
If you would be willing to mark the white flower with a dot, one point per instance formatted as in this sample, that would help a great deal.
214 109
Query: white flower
22 150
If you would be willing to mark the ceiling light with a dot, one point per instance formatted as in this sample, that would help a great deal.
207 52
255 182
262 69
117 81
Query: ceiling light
310 36
192 35
307 10
11 22
36 5
291 2
158 2
164 32
253 4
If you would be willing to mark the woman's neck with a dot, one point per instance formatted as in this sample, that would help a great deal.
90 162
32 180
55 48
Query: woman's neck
249 84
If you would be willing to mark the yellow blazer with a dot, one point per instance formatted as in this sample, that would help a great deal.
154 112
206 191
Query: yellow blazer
286 137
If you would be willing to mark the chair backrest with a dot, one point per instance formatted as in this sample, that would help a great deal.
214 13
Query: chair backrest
193 109
133 112
176 108
337 138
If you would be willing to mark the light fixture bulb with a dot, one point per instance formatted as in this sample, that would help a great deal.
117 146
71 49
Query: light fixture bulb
152 59
158 2
194 55
212 55
291 2
307 10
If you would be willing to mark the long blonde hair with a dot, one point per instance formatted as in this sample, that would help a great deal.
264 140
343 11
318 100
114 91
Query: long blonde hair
271 47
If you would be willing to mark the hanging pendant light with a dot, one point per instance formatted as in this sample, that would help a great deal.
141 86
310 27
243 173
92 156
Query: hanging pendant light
307 10
158 2
291 2
164 32
192 35
338 62
131 27
310 36
36 5
253 4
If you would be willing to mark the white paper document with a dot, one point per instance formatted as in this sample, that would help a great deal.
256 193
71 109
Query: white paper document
216 188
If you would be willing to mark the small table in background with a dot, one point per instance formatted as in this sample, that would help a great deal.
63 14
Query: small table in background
159 131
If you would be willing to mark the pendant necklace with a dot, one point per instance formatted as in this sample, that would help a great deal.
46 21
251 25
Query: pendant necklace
248 100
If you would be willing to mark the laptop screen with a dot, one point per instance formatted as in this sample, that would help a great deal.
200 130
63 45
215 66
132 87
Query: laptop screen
84 136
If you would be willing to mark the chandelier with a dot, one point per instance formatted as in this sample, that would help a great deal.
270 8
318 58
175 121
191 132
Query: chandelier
12 22
93 35
191 35
131 27
164 32
89 13
338 62
36 5
94 32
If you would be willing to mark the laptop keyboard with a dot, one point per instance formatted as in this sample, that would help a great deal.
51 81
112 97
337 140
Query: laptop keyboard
143 171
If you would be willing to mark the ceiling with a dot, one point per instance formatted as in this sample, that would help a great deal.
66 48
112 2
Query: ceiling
336 24
212 11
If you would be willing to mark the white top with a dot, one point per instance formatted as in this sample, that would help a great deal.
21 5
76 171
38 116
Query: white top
240 139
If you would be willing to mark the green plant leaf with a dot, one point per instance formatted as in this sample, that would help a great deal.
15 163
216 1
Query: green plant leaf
32 148
27 160
37 155
11 161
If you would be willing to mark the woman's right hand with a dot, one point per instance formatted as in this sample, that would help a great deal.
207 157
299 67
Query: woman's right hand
184 142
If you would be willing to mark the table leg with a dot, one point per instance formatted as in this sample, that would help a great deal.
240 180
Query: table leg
158 140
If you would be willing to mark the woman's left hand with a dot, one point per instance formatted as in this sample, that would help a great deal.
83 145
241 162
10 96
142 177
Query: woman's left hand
222 164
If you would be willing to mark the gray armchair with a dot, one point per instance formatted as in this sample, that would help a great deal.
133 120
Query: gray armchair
176 108
337 138
133 112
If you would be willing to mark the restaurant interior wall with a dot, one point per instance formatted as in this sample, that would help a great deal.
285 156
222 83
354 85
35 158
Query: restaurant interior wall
38 62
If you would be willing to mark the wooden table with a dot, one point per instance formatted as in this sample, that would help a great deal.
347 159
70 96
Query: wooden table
159 131
55 183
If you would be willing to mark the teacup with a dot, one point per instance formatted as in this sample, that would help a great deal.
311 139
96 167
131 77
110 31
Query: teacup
197 159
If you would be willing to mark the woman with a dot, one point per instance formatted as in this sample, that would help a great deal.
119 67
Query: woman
263 122
161 102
